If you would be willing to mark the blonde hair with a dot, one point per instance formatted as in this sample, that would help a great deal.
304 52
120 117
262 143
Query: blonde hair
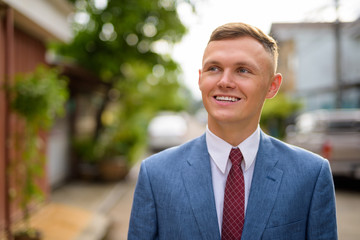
237 30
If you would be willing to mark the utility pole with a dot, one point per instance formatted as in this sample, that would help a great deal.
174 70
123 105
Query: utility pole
338 83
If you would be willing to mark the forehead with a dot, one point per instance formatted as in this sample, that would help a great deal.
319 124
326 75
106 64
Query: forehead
238 49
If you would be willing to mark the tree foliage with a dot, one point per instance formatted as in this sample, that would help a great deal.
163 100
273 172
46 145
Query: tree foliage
125 43
123 32
275 113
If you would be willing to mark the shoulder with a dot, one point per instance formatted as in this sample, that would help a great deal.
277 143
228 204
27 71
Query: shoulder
176 156
294 156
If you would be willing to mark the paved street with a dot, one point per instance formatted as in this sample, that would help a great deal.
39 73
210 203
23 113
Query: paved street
119 215
348 208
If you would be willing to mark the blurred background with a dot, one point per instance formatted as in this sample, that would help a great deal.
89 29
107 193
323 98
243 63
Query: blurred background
89 88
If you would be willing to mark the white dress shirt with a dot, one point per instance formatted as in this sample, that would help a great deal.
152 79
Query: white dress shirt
219 151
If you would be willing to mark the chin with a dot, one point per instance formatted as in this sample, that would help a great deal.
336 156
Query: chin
225 118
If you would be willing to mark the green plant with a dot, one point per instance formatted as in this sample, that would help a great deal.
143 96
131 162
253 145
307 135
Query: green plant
275 113
37 98
86 150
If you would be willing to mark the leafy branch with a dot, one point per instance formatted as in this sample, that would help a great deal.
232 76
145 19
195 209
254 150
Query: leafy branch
37 98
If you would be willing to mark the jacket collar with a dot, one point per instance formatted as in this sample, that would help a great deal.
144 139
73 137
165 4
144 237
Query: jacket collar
264 189
197 179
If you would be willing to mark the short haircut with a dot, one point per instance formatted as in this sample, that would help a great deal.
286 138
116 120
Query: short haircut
237 30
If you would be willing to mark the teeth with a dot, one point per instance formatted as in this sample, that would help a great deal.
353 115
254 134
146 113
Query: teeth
229 99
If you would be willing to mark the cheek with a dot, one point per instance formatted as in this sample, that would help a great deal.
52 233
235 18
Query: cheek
205 85
255 90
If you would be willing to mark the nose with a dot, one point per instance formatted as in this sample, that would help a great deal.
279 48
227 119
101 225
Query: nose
226 80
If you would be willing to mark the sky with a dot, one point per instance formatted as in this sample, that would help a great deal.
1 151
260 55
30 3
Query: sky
260 13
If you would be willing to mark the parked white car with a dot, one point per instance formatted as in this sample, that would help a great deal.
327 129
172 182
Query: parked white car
167 130
334 134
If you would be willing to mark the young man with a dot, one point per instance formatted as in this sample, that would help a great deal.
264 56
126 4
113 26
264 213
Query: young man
235 182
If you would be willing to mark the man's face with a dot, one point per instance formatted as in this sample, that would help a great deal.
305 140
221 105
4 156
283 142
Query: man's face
237 76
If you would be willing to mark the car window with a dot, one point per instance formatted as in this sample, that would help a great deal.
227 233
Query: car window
344 126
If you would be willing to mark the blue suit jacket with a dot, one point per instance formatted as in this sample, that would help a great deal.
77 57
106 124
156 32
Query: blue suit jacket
291 196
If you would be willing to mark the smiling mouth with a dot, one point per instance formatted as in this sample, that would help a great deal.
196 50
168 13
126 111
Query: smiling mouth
227 99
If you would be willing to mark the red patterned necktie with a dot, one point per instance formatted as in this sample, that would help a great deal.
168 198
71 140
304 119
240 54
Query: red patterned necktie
234 199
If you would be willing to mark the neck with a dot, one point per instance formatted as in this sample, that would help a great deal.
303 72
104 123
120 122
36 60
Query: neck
233 134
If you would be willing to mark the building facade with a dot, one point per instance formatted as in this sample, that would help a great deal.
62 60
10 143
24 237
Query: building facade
320 63
25 29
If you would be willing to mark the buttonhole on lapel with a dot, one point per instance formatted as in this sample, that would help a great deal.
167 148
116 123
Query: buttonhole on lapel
271 178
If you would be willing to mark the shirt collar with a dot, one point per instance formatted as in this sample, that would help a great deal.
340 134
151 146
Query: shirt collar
219 149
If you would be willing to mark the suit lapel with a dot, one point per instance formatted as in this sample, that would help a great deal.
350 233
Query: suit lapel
197 179
264 189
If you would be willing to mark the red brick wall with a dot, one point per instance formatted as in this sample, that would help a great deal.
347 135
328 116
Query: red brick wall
28 52
2 123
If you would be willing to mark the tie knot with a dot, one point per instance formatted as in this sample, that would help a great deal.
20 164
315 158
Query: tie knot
236 156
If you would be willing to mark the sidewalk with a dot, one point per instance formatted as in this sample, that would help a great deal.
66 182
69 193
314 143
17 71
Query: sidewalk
88 211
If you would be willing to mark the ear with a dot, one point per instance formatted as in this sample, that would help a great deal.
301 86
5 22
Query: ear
274 85
199 77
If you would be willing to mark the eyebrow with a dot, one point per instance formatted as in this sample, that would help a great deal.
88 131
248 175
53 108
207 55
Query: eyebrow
211 62
240 63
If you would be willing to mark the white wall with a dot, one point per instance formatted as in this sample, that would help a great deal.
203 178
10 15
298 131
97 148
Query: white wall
45 17
58 153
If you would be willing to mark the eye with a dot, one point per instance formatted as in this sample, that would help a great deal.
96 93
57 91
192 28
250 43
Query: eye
213 69
243 70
